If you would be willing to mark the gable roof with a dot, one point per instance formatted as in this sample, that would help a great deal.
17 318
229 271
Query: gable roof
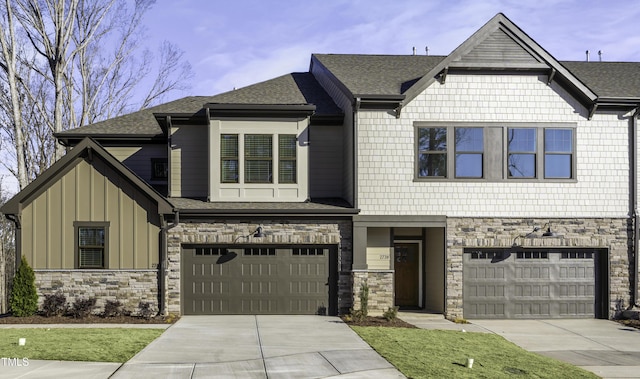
86 148
518 51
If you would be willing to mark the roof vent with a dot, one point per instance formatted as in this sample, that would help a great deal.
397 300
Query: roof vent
587 52
414 50
600 55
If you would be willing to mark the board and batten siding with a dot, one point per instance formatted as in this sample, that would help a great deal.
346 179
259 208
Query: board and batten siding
138 158
189 169
91 192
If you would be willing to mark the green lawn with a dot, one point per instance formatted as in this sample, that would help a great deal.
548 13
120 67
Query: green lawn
420 353
81 344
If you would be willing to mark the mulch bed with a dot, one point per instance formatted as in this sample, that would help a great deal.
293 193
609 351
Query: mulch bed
378 321
630 323
92 319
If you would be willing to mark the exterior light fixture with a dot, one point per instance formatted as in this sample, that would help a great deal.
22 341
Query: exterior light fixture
548 233
258 233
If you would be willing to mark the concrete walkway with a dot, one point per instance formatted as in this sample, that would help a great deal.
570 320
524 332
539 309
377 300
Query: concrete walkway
234 347
258 347
606 348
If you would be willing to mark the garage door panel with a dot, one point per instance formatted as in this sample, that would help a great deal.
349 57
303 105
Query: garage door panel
256 280
529 284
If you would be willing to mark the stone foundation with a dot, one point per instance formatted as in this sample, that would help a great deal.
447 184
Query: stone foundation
130 287
613 234
381 291
290 232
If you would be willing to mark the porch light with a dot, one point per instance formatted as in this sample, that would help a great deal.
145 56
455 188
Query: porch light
548 233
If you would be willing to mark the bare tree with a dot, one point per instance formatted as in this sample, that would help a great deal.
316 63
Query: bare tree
68 63
7 254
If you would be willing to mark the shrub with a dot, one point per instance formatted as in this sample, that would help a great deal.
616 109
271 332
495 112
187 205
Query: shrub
391 313
112 308
364 300
145 310
82 308
24 298
54 305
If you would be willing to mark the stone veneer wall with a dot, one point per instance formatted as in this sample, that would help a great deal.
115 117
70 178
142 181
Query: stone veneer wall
317 232
610 233
130 287
380 290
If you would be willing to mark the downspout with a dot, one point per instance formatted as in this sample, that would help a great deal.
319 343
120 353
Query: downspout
356 107
162 275
18 238
634 196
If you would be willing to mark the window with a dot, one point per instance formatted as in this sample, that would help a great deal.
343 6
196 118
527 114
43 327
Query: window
558 153
159 168
469 152
229 158
432 152
91 244
258 165
521 162
495 151
287 158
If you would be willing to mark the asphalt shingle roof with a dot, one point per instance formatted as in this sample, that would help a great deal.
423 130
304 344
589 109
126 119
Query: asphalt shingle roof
378 74
361 75
608 79
290 89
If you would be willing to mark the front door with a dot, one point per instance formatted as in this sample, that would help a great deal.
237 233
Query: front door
406 277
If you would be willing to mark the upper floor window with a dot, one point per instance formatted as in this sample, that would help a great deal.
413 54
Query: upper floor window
469 152
521 144
558 153
159 168
258 158
432 152
494 151
229 158
287 158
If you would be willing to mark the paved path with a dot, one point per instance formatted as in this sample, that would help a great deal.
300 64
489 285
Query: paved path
235 347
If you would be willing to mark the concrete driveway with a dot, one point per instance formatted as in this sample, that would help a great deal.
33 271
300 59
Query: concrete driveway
606 348
258 347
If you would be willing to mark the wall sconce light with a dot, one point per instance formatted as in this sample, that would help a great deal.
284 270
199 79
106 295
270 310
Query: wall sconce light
258 233
548 233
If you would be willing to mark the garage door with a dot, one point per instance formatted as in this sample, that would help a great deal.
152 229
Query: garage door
530 283
259 280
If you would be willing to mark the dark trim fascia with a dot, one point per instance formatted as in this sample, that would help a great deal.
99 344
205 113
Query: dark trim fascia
327 119
71 141
378 102
259 110
186 213
197 218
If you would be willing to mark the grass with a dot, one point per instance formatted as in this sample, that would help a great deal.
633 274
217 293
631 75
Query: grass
76 344
420 353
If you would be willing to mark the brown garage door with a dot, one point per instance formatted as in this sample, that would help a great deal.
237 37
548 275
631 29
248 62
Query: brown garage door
259 280
531 283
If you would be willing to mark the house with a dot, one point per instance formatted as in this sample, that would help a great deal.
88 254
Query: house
495 182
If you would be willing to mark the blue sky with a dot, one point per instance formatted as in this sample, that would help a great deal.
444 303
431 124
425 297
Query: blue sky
236 43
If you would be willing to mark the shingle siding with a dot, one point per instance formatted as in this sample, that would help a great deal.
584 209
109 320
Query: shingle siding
386 154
